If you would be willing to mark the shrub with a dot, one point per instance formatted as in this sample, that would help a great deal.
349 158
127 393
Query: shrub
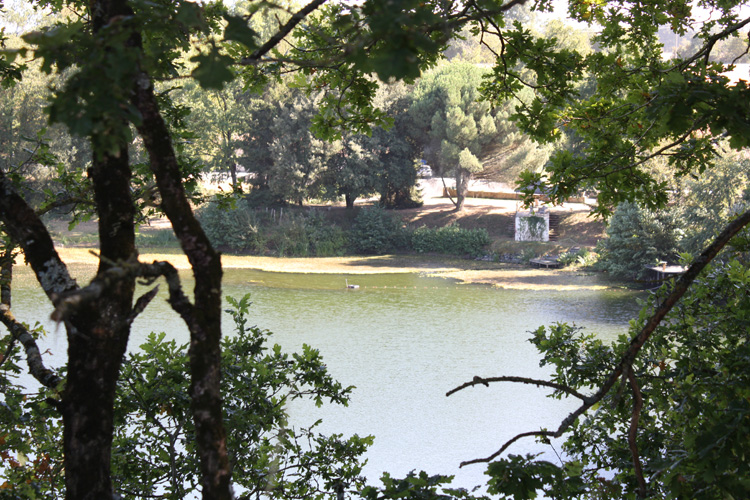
163 238
326 239
234 228
582 257
637 238
450 240
375 232
284 232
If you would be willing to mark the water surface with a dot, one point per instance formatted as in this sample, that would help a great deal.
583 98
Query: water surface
403 340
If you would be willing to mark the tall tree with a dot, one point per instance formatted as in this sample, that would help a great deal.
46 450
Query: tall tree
112 54
460 129
218 118
350 170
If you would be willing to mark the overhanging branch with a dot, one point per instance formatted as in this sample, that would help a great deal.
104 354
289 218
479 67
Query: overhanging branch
520 380
18 331
680 287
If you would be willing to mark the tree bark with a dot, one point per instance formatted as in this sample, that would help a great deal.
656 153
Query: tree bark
97 338
204 322
462 187
349 201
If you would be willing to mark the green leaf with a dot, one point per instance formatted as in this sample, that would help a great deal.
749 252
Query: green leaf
238 30
213 70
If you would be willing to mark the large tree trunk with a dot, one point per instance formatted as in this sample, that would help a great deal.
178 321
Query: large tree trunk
349 199
97 339
97 330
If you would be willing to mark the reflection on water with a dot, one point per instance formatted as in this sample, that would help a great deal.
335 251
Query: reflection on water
404 340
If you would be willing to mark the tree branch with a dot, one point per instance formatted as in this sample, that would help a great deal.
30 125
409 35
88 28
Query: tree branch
18 331
705 51
204 323
26 228
520 380
633 432
283 32
680 287
68 304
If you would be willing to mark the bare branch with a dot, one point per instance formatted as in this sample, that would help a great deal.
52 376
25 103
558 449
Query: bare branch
44 375
680 287
520 380
540 433
142 302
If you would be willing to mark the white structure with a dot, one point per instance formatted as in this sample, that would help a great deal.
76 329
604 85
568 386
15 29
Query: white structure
532 225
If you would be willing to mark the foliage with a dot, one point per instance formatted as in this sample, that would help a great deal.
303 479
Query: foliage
375 232
707 203
693 376
154 447
580 257
112 57
460 132
280 231
289 164
451 240
417 486
230 227
640 105
30 432
287 232
397 149
636 238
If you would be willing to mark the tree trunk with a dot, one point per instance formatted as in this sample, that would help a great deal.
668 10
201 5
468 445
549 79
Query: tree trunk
233 174
97 339
462 187
203 318
349 201
97 331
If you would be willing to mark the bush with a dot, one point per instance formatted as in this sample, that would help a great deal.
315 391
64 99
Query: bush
153 449
582 257
450 240
231 228
375 232
637 238
284 232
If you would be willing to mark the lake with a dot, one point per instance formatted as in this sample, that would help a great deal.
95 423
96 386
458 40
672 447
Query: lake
403 340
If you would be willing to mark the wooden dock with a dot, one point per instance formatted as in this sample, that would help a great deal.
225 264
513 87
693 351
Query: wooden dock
548 262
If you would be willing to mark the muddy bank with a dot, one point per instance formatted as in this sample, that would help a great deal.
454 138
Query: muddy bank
501 275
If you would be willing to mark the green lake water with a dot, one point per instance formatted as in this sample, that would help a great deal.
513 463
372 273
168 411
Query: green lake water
403 340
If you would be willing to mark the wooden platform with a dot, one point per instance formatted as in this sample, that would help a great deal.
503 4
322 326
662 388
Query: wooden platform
545 262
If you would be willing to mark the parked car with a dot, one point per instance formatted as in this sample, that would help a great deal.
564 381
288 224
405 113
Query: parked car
424 172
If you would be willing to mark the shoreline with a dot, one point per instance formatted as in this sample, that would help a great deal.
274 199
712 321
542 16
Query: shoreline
501 275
